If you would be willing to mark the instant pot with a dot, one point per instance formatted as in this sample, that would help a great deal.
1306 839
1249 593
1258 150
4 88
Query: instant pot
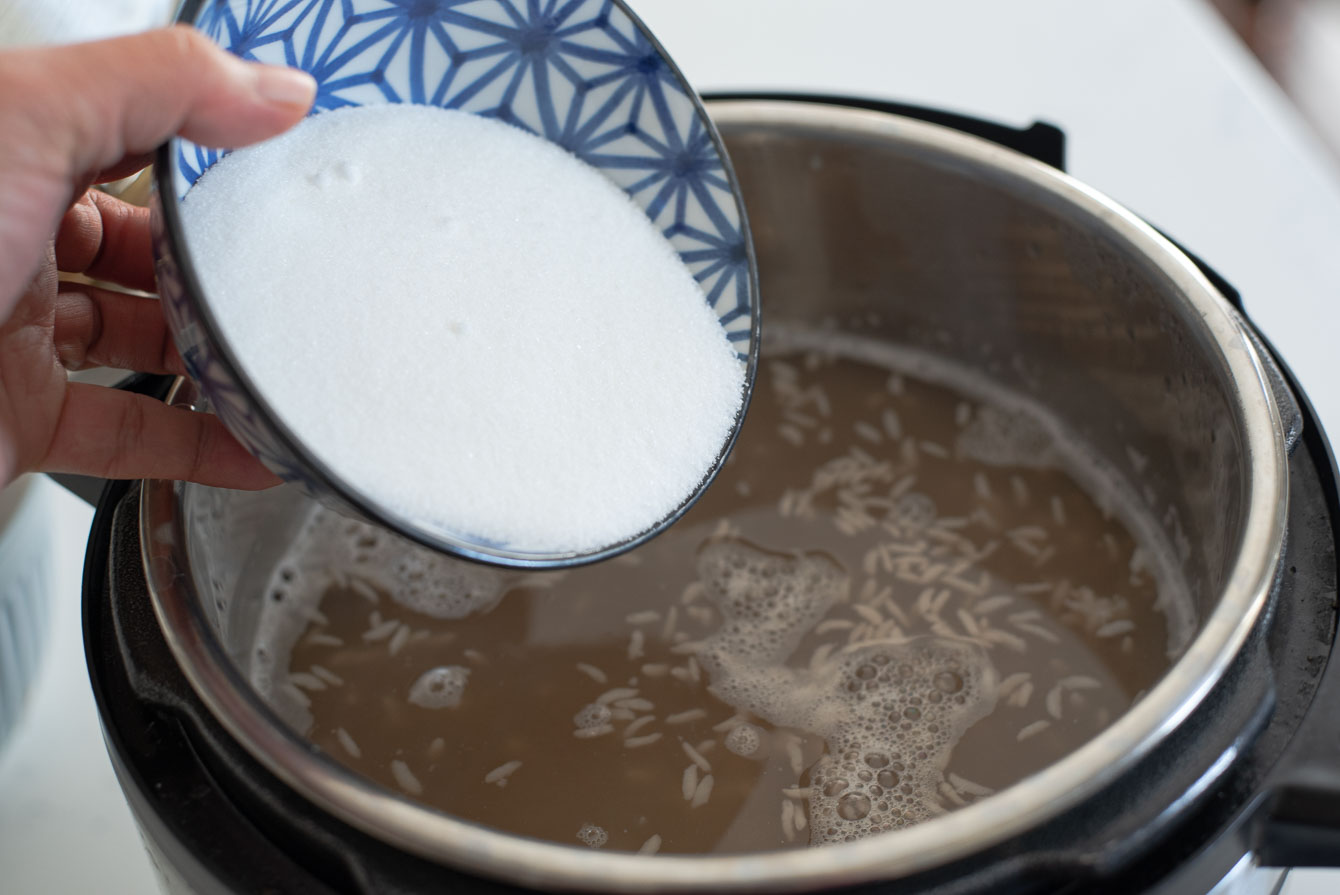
930 229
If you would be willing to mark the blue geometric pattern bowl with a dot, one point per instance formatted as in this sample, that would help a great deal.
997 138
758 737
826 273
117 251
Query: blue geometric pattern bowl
583 74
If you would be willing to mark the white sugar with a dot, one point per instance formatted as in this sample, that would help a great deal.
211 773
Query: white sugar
468 325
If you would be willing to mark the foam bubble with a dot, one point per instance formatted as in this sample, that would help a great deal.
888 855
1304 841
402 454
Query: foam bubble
592 835
744 740
440 587
440 688
593 715
914 511
1006 437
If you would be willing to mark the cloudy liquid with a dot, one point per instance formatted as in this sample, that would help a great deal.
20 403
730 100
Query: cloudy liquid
883 610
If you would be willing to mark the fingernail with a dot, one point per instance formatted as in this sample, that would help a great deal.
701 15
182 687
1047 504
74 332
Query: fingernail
284 86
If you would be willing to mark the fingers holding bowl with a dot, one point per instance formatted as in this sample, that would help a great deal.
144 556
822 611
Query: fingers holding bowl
101 327
106 432
104 238
112 434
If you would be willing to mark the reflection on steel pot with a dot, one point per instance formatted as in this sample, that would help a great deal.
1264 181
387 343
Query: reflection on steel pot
896 230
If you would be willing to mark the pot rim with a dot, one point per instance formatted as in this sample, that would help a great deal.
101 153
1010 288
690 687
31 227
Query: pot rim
933 843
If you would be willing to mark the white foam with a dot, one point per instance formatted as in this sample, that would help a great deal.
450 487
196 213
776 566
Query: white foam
889 712
593 715
440 688
328 548
744 740
999 437
1014 429
592 835
471 327
907 706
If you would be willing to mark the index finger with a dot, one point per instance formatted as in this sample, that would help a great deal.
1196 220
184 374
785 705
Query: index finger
107 239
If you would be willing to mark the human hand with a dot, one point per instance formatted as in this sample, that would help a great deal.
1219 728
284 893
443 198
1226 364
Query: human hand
69 117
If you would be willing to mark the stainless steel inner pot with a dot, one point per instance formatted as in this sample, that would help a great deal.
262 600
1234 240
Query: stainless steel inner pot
887 227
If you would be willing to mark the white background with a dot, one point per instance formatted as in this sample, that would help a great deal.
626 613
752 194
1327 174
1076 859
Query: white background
1164 111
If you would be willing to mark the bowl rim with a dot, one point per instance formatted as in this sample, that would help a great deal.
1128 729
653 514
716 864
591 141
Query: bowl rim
926 846
316 471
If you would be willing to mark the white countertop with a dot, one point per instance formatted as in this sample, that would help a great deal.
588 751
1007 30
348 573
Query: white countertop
1164 111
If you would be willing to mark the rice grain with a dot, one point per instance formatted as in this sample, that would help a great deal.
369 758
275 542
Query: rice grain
405 778
636 646
1115 628
635 726
500 774
381 631
688 784
306 680
593 673
399 640
696 757
363 589
1033 729
703 792
587 733
1053 701
327 675
348 743
637 742
686 717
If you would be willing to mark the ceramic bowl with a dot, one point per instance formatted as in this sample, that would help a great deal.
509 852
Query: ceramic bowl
584 74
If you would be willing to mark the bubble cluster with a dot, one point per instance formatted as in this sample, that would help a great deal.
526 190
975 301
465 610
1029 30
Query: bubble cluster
768 603
890 712
592 835
906 706
430 583
439 586
744 740
914 511
440 688
1004 437
594 714
331 549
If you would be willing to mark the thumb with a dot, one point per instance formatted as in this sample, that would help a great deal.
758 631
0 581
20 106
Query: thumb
69 112
115 98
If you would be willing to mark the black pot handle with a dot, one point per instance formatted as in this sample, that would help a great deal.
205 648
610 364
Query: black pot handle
89 488
1299 823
